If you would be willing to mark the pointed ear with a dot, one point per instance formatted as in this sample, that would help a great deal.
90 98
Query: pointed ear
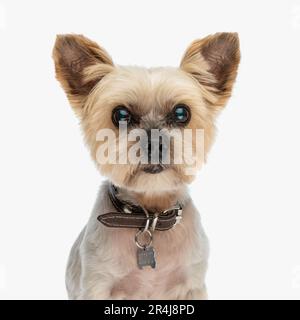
79 65
214 61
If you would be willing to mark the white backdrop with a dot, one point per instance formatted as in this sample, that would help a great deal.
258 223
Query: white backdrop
248 193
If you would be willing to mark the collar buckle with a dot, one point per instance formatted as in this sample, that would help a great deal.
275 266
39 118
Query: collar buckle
178 215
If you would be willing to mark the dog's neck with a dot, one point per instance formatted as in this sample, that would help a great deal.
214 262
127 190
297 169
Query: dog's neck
154 201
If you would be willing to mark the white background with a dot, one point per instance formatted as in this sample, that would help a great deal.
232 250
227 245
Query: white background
248 193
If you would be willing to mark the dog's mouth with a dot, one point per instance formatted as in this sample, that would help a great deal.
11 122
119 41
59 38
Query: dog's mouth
153 168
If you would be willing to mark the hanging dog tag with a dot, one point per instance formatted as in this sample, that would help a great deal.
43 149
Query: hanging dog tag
146 257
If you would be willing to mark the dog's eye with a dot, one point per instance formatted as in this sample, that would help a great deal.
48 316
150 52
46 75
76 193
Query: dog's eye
121 113
181 113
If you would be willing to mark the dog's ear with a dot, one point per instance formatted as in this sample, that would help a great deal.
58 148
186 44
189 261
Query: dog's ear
214 61
79 65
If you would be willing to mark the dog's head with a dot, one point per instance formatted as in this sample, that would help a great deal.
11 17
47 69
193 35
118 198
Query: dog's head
155 108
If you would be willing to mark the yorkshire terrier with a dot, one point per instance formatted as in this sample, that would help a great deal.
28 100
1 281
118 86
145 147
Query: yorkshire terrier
144 239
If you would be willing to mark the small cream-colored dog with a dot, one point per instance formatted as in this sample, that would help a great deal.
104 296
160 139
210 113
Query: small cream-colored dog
144 239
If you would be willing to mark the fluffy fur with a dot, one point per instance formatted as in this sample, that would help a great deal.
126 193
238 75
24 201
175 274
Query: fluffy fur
102 263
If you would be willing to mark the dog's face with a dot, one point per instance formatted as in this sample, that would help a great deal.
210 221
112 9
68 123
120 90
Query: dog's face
173 100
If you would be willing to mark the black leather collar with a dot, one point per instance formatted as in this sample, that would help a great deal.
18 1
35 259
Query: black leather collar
129 215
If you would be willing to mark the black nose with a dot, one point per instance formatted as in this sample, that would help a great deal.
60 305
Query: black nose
156 148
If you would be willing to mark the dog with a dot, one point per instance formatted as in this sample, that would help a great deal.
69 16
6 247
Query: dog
144 238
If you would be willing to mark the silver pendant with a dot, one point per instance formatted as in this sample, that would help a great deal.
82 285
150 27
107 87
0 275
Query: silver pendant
146 257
